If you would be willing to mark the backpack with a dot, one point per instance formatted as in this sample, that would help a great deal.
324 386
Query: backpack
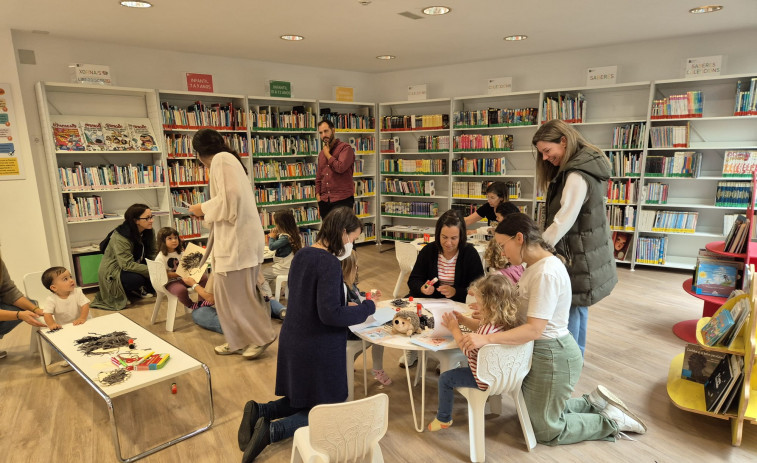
104 243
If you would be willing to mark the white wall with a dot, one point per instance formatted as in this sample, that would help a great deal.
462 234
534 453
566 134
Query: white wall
641 61
24 244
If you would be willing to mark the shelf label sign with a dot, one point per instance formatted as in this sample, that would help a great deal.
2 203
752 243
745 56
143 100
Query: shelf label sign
91 74
605 75
280 88
199 82
499 85
704 66
11 167
344 93
417 92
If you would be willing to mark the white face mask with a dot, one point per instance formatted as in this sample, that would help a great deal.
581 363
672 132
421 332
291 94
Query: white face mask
347 251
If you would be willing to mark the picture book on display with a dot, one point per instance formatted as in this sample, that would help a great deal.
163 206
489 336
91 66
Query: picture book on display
722 381
67 137
621 245
93 135
117 137
716 278
717 327
699 363
142 138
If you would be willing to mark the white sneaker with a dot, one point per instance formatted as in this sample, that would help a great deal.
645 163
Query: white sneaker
412 358
601 397
625 420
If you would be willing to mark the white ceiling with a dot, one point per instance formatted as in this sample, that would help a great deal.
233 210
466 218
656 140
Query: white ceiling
344 34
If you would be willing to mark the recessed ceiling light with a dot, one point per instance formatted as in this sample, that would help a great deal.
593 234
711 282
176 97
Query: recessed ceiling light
705 9
136 4
514 38
292 37
385 57
436 10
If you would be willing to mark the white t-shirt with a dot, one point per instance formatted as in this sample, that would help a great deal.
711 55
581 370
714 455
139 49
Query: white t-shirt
68 309
171 261
545 293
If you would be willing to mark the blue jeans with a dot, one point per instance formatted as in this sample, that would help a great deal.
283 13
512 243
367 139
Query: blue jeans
207 317
276 308
287 419
7 326
577 323
448 381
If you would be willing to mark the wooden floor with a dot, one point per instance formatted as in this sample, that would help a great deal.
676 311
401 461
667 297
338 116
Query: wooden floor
630 345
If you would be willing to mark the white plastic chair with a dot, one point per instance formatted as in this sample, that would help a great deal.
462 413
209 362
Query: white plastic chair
503 369
407 254
348 431
158 278
355 347
280 280
36 291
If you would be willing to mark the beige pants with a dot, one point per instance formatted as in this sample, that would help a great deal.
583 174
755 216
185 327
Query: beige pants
245 317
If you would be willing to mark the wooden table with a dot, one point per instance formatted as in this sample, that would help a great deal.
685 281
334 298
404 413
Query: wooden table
448 352
89 367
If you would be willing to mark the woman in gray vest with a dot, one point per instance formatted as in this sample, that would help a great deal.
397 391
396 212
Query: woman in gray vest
574 174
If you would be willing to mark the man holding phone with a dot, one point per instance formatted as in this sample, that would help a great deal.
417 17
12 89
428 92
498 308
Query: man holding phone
334 186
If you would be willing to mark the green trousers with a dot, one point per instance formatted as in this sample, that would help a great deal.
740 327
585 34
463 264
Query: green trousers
556 417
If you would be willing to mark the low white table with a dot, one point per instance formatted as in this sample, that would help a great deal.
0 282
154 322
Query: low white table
446 354
179 363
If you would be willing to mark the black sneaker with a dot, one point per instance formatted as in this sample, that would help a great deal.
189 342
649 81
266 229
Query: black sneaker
249 419
261 437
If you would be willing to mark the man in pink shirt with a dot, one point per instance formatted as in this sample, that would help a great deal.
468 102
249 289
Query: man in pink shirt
334 186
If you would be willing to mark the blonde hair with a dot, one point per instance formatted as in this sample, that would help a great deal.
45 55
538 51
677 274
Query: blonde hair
493 256
552 132
496 296
349 269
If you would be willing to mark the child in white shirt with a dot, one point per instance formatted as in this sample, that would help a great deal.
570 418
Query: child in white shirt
67 303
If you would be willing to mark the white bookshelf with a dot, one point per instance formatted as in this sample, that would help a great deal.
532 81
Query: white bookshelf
75 103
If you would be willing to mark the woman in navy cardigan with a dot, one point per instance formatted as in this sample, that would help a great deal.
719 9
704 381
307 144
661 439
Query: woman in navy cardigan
312 366
450 243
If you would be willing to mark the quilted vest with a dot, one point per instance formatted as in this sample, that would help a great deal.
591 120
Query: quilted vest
587 246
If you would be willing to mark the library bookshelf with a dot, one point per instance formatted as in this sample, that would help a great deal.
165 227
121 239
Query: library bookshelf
182 115
92 189
355 123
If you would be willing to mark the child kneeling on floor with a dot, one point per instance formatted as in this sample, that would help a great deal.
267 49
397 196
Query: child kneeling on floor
496 299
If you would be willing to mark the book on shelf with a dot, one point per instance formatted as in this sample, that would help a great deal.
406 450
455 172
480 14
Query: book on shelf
740 313
621 244
722 381
717 327
699 363
68 137
746 100
715 277
142 138
736 240
93 136
117 137
739 163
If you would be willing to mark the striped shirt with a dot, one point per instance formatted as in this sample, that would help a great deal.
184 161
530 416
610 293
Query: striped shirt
473 355
446 269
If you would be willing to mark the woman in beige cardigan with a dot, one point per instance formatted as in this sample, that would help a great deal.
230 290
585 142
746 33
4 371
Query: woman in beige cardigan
236 248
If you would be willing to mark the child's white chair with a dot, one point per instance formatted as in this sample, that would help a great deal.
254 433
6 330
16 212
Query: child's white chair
280 280
348 431
407 254
503 368
354 347
158 278
36 291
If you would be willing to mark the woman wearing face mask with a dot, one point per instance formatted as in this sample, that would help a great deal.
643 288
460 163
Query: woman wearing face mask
311 367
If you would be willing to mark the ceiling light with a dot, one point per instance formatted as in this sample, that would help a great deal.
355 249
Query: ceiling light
292 37
514 38
436 10
705 9
136 4
385 57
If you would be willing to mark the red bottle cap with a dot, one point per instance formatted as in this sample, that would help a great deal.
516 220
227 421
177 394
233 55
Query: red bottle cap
410 299
173 388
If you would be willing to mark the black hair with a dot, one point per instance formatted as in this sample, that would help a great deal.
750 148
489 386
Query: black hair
451 218
334 225
164 233
506 208
131 216
284 220
523 224
50 274
327 122
499 189
208 143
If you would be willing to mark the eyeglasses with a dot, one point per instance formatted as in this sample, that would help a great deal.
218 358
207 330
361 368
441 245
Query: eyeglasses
148 218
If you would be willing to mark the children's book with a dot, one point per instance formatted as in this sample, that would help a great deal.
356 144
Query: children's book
93 135
117 137
716 278
721 382
740 313
621 243
67 137
699 363
189 262
377 332
433 343
717 327
142 138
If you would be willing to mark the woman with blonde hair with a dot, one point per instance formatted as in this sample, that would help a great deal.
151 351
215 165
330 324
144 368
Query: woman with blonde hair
574 174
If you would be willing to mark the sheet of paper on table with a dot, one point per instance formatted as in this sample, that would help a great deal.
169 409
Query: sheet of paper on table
433 343
381 316
438 309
